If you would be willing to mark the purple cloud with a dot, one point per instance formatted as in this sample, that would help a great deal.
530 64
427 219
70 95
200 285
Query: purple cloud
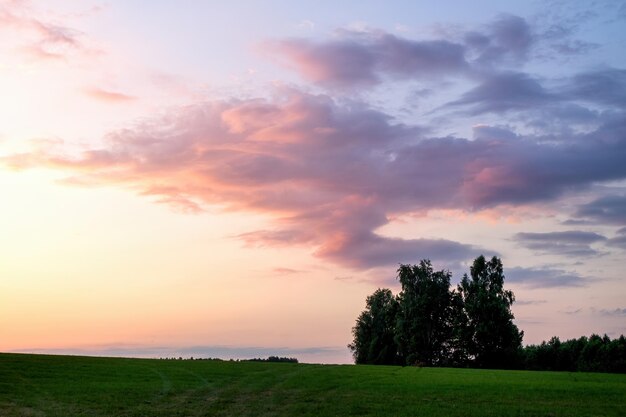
544 277
357 59
529 302
619 241
502 92
507 38
606 210
369 250
572 243
606 86
619 312
330 175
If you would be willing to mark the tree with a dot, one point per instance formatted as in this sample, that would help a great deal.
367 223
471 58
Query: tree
424 320
374 341
486 332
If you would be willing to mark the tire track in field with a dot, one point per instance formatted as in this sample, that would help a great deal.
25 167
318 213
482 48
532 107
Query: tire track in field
205 382
166 382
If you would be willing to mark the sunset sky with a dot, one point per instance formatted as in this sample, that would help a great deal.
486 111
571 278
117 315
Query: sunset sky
233 178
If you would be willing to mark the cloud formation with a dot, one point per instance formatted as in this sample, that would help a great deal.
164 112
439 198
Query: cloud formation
619 312
331 171
39 38
331 174
544 277
108 96
529 302
328 174
609 209
605 86
619 241
571 243
502 92
369 57
365 59
507 38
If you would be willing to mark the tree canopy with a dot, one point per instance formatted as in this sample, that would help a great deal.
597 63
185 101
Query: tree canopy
423 323
484 319
428 323
374 332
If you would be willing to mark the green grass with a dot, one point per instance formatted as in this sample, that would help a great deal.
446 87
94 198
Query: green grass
40 385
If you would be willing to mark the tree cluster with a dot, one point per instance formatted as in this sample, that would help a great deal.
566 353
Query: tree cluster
593 354
428 323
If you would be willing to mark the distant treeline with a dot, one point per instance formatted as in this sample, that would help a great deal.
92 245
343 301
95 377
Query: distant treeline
431 324
269 359
593 354
273 359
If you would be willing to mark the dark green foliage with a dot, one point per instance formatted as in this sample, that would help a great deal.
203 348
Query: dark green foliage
62 386
485 329
594 354
435 326
427 324
424 320
374 333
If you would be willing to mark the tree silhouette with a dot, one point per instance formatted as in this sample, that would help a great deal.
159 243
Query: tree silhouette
485 329
428 324
424 321
374 332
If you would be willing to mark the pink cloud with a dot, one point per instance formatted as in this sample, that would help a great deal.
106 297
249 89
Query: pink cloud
108 96
287 271
39 38
330 175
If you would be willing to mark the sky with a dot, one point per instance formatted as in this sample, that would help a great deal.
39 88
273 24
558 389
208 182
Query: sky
232 179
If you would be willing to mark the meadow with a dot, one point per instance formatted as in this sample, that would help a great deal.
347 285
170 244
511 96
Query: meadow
42 385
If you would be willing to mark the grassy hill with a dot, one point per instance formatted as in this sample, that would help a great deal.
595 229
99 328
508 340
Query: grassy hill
41 385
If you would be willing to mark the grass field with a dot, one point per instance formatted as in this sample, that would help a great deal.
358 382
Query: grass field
40 385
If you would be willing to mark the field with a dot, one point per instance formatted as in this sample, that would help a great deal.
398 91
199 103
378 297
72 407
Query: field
40 385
